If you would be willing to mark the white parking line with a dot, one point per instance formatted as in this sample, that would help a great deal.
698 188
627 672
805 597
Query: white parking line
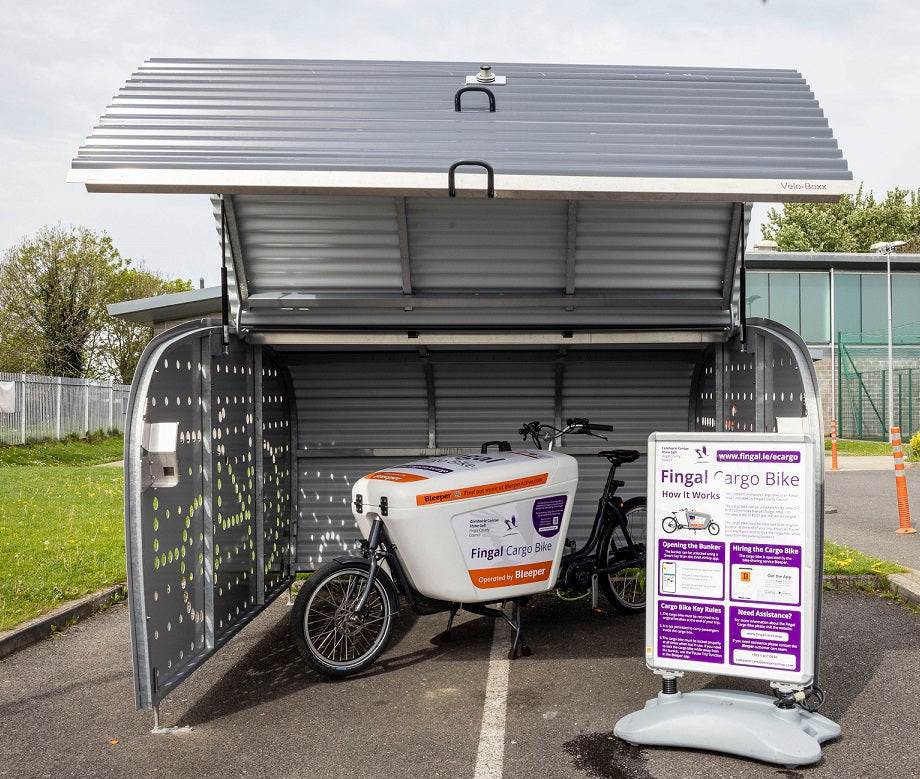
491 755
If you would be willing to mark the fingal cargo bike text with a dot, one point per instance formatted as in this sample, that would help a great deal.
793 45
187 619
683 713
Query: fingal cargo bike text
468 532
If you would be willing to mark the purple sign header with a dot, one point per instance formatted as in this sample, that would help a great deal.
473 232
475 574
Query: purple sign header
756 456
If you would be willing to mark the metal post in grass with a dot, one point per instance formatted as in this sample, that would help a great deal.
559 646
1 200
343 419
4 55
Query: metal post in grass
834 407
86 408
58 393
22 408
886 248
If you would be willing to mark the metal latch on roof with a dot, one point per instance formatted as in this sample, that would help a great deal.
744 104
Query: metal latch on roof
486 76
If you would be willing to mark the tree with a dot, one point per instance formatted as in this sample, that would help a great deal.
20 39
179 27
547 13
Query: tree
852 224
119 345
53 290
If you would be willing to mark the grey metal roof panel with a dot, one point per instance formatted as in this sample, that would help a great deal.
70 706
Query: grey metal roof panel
286 125
170 307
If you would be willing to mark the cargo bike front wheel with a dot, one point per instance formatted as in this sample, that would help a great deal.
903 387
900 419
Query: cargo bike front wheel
333 636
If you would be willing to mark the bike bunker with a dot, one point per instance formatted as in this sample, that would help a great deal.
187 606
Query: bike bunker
415 267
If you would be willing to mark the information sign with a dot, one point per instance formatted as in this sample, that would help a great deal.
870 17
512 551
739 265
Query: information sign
731 555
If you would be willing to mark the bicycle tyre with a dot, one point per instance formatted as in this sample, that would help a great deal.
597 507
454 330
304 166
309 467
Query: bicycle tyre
713 528
669 524
625 587
330 637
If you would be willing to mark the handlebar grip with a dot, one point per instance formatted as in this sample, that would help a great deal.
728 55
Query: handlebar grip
605 428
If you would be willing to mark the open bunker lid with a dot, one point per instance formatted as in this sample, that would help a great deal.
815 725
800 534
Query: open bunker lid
456 478
592 198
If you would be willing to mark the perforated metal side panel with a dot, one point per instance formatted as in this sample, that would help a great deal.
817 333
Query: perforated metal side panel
276 474
233 486
744 388
168 580
208 544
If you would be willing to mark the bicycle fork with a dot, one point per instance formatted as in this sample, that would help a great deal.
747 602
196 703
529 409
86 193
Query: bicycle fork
373 541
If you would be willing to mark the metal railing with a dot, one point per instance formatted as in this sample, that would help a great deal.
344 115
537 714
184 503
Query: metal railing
38 407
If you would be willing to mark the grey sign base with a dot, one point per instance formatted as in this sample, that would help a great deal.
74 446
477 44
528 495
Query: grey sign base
739 723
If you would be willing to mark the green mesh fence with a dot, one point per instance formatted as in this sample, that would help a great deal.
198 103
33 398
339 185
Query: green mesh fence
864 379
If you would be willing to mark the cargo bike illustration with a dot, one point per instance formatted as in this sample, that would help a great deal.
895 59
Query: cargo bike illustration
469 532
687 519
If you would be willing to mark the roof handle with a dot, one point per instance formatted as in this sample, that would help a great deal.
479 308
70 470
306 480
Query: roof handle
451 184
475 89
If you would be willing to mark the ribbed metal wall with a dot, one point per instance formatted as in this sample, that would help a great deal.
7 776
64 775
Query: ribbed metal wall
319 244
357 400
488 399
660 246
348 404
190 115
483 245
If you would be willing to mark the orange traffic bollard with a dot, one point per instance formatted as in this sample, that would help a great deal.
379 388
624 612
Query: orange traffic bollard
834 466
900 483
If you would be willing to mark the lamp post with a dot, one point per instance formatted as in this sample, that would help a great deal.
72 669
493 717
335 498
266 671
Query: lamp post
886 248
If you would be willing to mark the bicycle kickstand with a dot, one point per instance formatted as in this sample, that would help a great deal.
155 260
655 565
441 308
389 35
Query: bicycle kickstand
519 645
446 636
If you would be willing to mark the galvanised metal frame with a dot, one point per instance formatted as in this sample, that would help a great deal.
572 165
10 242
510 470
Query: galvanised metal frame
207 552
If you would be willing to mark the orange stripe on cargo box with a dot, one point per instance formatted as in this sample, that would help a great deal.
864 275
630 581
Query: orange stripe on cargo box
510 575
481 490
396 476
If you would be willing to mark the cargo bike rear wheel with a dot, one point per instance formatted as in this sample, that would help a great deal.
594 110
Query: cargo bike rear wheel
333 637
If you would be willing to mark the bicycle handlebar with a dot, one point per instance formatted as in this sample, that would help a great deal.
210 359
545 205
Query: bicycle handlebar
579 425
587 426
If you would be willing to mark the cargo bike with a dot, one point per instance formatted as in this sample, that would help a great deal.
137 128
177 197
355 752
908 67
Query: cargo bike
470 532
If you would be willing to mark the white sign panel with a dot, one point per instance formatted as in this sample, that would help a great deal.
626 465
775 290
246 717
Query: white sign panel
8 397
731 555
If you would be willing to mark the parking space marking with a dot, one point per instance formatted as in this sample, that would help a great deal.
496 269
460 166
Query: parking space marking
490 757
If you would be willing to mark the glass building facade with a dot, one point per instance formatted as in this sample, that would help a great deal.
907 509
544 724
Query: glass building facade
802 301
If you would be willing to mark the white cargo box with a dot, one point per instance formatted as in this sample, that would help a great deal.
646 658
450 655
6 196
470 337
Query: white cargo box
475 527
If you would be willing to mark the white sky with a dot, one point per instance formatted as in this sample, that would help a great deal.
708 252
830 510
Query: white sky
63 61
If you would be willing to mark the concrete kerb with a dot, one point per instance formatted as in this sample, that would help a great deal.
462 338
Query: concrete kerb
906 586
47 624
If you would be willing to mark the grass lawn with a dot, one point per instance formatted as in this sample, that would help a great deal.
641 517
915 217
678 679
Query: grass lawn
61 525
843 561
860 448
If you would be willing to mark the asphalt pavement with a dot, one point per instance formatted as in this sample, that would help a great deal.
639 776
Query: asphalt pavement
67 704
864 509
254 709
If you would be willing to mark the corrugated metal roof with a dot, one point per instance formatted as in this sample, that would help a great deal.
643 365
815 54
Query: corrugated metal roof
387 127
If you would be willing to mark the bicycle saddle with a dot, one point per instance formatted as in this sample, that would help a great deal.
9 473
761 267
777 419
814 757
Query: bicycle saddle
623 455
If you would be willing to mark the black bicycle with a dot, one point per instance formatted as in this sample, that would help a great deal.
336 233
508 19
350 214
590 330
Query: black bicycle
615 549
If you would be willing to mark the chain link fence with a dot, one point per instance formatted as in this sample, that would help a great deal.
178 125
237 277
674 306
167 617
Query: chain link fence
862 391
34 407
